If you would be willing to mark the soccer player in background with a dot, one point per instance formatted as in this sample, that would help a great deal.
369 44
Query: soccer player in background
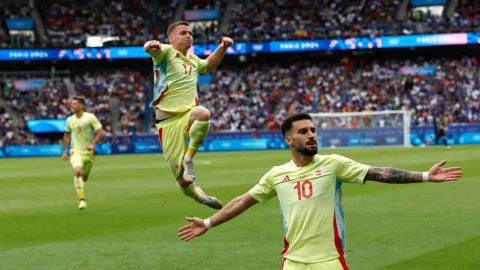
309 190
178 116
440 129
80 127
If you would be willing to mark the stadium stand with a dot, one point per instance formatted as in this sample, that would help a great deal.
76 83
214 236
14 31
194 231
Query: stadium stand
165 15
118 100
70 23
14 10
266 92
253 95
257 96
128 22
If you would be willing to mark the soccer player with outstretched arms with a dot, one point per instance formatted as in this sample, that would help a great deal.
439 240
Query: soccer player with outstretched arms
309 190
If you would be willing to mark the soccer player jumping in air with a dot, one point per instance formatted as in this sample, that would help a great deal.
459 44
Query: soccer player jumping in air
309 190
80 127
178 116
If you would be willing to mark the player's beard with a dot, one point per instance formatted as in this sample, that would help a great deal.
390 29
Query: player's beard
307 151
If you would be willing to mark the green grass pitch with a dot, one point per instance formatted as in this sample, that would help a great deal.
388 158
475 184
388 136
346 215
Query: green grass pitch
135 210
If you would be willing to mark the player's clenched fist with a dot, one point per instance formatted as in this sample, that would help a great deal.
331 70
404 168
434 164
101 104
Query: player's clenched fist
226 42
152 47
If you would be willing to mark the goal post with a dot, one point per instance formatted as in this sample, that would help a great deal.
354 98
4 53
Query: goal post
368 128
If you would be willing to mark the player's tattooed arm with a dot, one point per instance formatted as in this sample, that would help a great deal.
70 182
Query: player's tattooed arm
393 175
438 173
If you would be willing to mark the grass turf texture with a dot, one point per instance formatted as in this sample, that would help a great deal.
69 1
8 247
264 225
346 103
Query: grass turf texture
135 209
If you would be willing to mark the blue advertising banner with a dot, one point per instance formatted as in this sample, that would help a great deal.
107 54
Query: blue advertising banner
102 53
360 137
46 125
424 3
425 70
48 150
423 40
72 54
33 150
457 134
236 144
299 45
201 14
28 54
204 79
123 148
28 85
358 43
19 24
147 147
207 49
469 138
103 149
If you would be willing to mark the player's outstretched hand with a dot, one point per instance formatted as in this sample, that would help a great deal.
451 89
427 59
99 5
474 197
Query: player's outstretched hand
226 42
192 230
440 174
152 47
64 156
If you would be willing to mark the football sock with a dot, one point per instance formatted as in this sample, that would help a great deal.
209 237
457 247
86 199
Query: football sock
198 132
78 182
193 192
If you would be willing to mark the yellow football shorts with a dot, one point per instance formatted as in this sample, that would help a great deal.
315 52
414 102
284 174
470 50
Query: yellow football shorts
328 265
173 135
83 160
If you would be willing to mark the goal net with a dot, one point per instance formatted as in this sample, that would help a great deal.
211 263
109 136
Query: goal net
363 128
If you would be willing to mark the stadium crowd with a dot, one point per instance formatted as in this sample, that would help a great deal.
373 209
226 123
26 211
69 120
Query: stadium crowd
116 98
67 23
268 92
119 95
258 96
14 10
266 20
312 19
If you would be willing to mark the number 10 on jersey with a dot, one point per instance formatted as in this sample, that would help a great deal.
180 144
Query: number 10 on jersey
304 189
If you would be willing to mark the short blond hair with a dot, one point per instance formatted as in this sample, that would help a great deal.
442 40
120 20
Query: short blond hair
174 25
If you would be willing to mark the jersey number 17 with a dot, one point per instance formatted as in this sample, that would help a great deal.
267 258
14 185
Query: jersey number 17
188 69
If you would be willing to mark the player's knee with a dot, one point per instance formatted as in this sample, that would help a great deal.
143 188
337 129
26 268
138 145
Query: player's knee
201 113
181 182
78 172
